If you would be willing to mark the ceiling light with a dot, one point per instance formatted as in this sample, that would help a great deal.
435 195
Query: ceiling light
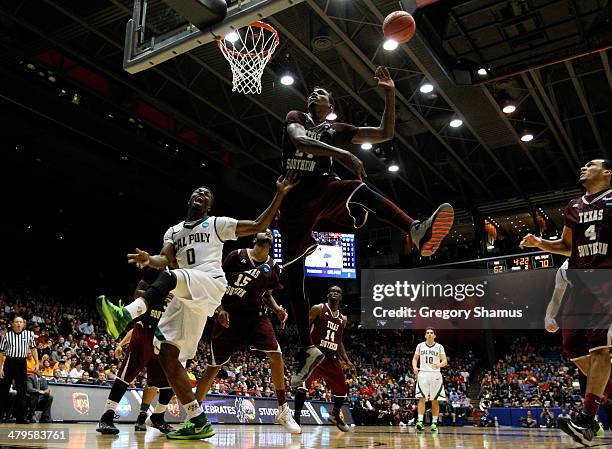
456 123
366 146
287 80
426 88
232 37
482 71
331 116
508 108
393 167
527 137
390 45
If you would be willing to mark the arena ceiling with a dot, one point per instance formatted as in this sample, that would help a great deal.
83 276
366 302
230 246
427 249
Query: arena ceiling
180 119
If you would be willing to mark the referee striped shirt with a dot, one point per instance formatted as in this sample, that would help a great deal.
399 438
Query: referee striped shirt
17 344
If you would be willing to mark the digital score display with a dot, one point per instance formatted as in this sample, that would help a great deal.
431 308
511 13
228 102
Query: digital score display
520 263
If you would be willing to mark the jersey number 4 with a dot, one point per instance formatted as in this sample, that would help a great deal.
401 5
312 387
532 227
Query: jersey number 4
590 232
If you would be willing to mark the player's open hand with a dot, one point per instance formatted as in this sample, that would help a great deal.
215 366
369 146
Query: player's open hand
281 314
355 165
349 365
530 241
140 258
550 324
383 78
223 318
286 182
118 352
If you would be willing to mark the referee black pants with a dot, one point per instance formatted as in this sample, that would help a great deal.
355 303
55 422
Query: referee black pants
15 368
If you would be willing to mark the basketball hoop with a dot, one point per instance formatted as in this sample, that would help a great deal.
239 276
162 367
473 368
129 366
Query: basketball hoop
248 50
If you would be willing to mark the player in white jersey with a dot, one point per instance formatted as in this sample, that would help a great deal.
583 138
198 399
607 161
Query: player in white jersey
429 385
193 249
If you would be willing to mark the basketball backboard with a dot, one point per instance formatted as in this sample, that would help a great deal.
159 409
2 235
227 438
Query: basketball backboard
156 33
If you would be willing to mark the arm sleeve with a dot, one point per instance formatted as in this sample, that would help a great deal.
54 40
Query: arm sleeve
275 283
567 221
225 228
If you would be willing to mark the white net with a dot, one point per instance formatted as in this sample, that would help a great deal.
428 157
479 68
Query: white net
248 50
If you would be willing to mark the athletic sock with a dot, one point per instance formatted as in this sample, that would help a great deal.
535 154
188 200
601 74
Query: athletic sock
385 209
114 397
420 418
591 404
193 409
136 307
338 401
434 419
281 397
144 407
300 398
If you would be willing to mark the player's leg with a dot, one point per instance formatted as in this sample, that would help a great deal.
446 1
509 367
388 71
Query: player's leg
420 413
436 393
333 374
196 426
284 416
156 420
206 382
435 413
148 395
300 399
426 235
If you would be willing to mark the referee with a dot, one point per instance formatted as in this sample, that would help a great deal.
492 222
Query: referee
14 349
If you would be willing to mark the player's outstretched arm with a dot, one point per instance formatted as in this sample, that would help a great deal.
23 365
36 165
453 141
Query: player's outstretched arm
306 144
386 130
344 356
561 246
143 259
314 314
284 184
415 362
271 303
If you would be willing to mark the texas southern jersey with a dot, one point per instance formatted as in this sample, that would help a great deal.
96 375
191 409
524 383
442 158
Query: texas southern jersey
590 218
247 281
429 355
326 331
332 133
199 245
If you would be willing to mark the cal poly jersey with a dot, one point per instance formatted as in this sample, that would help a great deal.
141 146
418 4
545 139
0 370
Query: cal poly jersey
429 355
326 332
590 218
247 281
199 245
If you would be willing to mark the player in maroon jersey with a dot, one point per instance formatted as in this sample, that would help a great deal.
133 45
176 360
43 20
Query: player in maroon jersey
327 326
586 239
252 275
310 143
140 355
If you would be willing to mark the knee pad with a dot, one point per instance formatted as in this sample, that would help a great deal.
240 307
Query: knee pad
158 290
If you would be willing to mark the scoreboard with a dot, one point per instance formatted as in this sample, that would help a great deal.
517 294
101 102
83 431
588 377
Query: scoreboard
518 263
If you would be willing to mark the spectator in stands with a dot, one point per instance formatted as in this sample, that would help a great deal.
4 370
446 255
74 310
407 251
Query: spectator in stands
39 397
85 379
486 420
546 418
76 373
86 327
528 421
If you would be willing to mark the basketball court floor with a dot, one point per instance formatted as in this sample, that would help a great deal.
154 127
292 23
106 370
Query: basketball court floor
84 436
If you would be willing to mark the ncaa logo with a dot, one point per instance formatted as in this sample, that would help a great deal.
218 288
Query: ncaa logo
205 224
80 402
174 408
124 408
266 268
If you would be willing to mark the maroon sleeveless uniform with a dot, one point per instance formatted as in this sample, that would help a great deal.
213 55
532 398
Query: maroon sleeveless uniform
586 314
321 194
326 333
247 281
140 353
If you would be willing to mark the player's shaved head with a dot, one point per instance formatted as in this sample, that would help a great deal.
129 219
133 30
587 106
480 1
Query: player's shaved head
596 174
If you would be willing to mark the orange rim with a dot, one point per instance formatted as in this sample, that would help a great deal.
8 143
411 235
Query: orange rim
261 54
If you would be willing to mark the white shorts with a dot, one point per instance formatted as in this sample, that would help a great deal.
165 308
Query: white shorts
196 296
430 386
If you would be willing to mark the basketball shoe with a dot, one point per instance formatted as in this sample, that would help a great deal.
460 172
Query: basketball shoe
285 419
115 317
140 425
419 426
309 358
581 428
434 427
427 235
106 426
157 421
335 418
195 428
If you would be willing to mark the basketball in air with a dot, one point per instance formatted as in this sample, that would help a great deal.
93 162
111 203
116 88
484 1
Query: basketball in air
399 26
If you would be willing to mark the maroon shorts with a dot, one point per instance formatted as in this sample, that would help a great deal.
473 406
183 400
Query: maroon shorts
330 370
325 199
254 331
140 355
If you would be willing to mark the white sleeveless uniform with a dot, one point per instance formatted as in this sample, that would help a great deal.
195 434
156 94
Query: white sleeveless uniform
429 381
200 282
